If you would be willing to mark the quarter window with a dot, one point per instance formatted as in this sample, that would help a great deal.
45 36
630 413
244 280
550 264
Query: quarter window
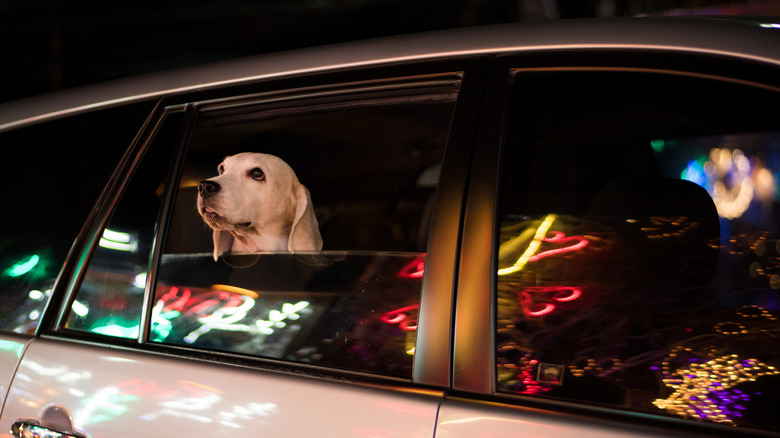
53 173
639 263
110 297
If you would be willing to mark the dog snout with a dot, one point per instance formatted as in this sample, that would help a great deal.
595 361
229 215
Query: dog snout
208 188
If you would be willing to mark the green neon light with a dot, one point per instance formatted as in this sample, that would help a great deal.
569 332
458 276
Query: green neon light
116 326
24 267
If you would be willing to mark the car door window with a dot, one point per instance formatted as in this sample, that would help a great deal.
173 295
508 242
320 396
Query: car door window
638 257
366 159
54 172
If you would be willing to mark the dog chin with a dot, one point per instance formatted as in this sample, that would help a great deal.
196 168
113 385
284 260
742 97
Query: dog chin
217 222
214 220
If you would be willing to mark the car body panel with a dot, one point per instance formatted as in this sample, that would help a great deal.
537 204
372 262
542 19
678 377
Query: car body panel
11 350
112 392
459 418
747 40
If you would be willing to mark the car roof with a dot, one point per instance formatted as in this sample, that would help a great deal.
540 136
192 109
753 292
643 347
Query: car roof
749 39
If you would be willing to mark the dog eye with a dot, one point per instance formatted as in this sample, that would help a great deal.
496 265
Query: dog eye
257 174
221 169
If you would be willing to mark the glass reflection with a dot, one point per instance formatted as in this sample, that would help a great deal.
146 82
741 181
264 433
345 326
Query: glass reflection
349 310
25 285
647 301
112 399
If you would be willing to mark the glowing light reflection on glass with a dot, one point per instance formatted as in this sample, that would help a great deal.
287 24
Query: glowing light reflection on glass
118 241
532 247
732 179
24 267
706 390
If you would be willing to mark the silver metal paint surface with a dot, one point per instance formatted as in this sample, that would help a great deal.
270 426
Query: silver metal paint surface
111 392
11 350
738 39
459 419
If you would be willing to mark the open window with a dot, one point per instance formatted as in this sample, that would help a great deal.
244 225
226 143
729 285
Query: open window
369 157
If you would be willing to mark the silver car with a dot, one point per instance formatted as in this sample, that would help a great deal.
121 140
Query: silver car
556 229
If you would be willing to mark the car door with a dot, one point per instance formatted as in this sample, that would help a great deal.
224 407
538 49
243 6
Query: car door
154 332
619 274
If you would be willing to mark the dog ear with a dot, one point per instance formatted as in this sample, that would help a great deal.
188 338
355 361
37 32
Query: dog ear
223 242
305 232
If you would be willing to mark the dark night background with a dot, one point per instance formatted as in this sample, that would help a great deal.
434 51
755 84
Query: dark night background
55 44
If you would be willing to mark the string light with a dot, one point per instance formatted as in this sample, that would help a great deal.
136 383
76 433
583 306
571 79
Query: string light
705 391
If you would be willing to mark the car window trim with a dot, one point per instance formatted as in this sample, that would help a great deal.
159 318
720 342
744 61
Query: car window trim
473 362
169 198
666 71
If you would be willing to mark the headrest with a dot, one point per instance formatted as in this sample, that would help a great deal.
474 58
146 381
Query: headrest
654 197
670 228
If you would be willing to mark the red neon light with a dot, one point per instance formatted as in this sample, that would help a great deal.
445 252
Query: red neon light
526 375
546 308
529 296
573 295
560 237
180 303
202 306
415 269
402 318
181 300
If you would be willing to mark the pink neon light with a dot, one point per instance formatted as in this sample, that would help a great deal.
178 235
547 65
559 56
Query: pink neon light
560 237
180 303
199 304
531 386
561 294
548 308
395 320
202 306
402 318
415 269
573 295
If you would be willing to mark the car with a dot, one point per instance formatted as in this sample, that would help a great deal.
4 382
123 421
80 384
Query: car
568 228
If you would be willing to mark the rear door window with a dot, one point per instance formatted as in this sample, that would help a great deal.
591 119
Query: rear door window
297 231
638 250
339 285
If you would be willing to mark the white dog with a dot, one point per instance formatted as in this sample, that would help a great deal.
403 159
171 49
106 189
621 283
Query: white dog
257 204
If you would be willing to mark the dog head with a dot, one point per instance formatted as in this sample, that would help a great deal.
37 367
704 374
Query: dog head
257 204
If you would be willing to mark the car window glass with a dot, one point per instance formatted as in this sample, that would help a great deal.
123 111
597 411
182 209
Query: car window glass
343 288
638 257
54 172
109 299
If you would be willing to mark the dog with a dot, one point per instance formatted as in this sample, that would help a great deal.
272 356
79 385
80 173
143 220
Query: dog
256 204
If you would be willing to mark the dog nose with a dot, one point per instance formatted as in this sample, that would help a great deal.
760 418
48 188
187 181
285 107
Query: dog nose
208 188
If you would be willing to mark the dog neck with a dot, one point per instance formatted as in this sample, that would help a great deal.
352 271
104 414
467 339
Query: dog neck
258 242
